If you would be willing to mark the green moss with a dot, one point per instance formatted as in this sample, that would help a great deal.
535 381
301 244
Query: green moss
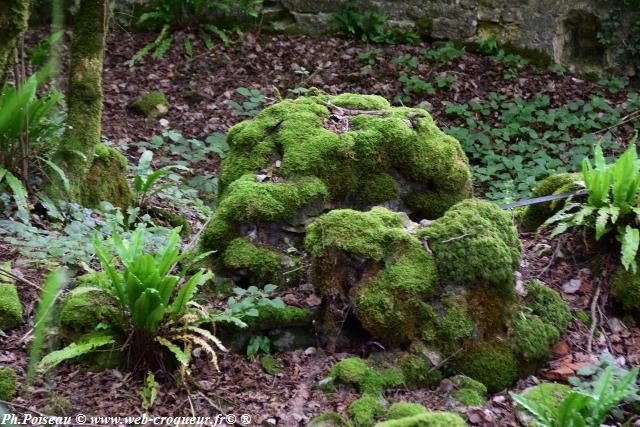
379 188
10 306
468 397
547 395
456 322
8 380
535 215
625 287
88 305
258 262
532 337
359 102
404 409
464 382
328 419
58 405
365 411
390 304
107 179
475 242
583 317
547 304
354 371
173 219
271 317
417 372
271 365
363 233
430 419
492 363
152 105
433 204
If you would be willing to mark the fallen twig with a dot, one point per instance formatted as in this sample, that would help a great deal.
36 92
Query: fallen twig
451 239
594 319
12 276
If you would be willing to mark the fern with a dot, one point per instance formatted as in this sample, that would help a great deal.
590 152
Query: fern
19 194
87 345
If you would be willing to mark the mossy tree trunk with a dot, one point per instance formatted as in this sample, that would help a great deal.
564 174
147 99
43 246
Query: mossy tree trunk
78 153
14 15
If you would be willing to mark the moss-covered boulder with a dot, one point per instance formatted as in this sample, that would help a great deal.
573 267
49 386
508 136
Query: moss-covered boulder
534 215
151 105
300 158
8 379
365 411
405 409
10 306
107 179
546 396
468 392
88 305
625 287
328 419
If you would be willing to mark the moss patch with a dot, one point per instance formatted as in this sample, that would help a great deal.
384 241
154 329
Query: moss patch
328 419
430 419
404 409
492 363
535 215
271 365
475 242
532 337
10 306
625 287
261 263
354 371
365 411
152 105
547 304
107 179
547 395
88 305
8 380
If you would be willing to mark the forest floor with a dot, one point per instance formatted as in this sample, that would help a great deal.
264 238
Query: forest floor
199 90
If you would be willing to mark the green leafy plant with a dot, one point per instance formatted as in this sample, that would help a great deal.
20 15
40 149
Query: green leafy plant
587 407
146 179
445 53
19 193
612 191
559 69
368 25
169 16
620 30
487 45
155 297
254 102
445 80
149 391
246 303
514 63
370 57
258 343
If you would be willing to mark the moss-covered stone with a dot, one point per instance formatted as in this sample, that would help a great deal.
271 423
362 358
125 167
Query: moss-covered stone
532 337
405 409
547 304
242 255
468 392
292 161
152 105
535 215
464 382
418 372
88 305
10 306
475 242
58 405
430 419
271 365
493 363
625 287
107 179
355 371
546 395
328 419
8 379
366 410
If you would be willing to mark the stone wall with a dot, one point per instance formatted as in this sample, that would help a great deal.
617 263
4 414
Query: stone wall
564 30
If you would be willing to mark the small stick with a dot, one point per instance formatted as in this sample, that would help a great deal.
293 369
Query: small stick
594 319
451 239
10 275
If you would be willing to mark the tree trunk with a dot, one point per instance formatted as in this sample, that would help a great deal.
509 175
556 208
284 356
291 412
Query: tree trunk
81 155
14 15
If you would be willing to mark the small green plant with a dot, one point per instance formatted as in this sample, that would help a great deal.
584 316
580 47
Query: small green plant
254 102
246 303
445 80
155 298
612 191
514 63
487 45
149 391
19 194
588 406
559 69
444 54
620 31
145 180
408 61
370 57
614 85
368 26
258 343
169 16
